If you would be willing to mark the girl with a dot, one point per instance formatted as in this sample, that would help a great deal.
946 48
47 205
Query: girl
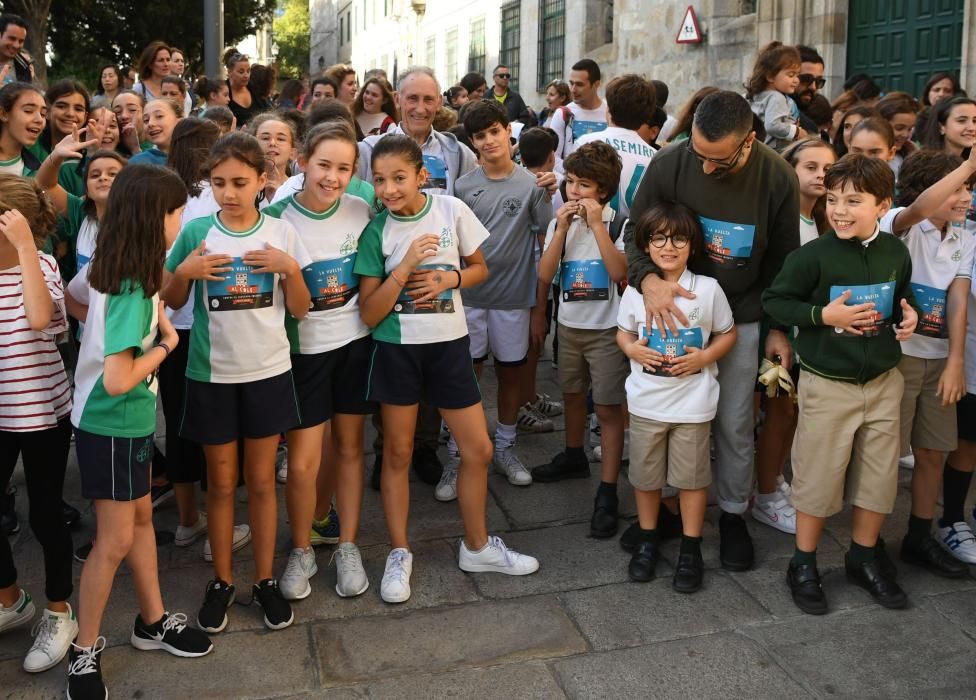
34 422
344 78
873 137
244 269
68 105
776 76
109 84
408 296
240 99
114 416
71 175
292 95
23 113
456 97
330 354
177 62
160 117
952 126
215 94
129 108
172 88
672 400
261 83
557 95
938 87
810 158
846 126
901 111
374 108
277 139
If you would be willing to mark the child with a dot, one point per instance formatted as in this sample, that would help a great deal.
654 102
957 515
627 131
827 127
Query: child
873 137
222 117
244 269
330 358
160 117
849 292
216 93
114 416
775 76
35 422
129 107
933 195
23 114
901 111
810 158
590 265
277 139
506 200
409 278
672 392
71 174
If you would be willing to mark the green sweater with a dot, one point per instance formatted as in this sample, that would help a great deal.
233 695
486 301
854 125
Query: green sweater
803 287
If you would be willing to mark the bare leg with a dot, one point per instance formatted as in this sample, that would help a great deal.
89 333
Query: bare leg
866 526
325 482
222 472
611 439
304 459
186 503
926 478
510 383
142 562
575 418
471 433
693 504
262 503
648 507
347 456
399 423
808 531
774 442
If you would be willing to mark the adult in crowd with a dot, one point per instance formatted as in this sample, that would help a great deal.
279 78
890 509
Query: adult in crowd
16 65
557 95
109 85
374 108
475 84
242 103
812 82
586 114
511 101
940 86
346 82
261 84
322 89
747 199
154 65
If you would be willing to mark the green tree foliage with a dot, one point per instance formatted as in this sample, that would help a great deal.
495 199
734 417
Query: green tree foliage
292 29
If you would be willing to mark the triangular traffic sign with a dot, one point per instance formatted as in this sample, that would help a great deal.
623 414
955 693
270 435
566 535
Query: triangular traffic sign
690 32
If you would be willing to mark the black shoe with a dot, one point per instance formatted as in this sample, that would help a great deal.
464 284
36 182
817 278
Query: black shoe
427 466
8 514
644 561
885 563
883 589
929 555
562 467
85 672
277 611
71 514
603 522
219 597
374 477
161 493
735 546
172 634
804 583
668 527
81 554
688 573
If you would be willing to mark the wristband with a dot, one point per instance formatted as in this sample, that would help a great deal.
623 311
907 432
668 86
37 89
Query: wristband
458 285
165 347
397 279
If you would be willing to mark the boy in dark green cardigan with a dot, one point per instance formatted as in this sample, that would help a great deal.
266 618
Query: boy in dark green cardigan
849 294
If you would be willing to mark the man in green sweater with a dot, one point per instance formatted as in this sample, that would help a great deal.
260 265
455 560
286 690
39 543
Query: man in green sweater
747 199
849 293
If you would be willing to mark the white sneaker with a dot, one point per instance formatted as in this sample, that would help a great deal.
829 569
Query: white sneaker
497 558
783 486
281 461
350 575
598 447
242 535
531 421
294 584
395 587
185 536
508 463
446 489
544 405
20 613
775 510
907 462
958 539
53 635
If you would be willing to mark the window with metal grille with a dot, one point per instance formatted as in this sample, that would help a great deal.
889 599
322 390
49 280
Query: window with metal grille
552 41
476 47
431 51
451 51
508 55
608 27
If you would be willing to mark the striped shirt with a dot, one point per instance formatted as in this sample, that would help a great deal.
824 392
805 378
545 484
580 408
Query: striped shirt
34 389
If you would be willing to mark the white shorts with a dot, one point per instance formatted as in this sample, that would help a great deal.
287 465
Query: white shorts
503 333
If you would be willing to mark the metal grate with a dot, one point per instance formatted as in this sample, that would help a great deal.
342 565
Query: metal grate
552 41
431 51
509 54
451 51
476 47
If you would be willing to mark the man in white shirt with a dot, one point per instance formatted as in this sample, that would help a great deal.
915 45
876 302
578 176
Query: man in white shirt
586 114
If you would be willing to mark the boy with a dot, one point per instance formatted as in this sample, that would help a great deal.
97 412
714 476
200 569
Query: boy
590 265
849 292
505 198
933 193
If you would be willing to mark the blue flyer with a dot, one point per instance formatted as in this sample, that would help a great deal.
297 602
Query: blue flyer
582 127
331 282
671 346
883 297
584 280
729 245
241 289
932 302
443 303
437 169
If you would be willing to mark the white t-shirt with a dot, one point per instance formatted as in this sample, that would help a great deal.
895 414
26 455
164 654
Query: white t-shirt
332 241
588 297
971 338
808 230
661 397
664 135
383 246
937 260
196 207
635 155
14 166
584 121
238 323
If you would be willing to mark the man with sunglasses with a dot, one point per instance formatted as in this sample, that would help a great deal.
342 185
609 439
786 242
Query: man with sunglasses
511 101
811 83
747 200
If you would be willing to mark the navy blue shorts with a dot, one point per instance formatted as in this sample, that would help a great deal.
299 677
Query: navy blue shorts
333 382
113 468
438 374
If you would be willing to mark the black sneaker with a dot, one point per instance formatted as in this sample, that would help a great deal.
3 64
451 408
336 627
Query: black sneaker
644 561
668 527
871 578
374 477
562 467
929 555
427 466
603 522
277 611
219 597
161 493
806 589
85 672
8 514
172 634
81 554
689 573
71 514
735 546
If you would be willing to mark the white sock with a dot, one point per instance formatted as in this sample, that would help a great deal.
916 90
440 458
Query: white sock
766 497
452 447
505 436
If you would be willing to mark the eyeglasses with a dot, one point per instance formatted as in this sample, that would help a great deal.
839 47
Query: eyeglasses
678 240
807 79
505 76
721 165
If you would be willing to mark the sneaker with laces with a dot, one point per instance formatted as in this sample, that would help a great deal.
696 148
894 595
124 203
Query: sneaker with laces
85 672
775 510
52 634
326 531
242 535
277 611
20 613
959 541
495 557
172 634
185 536
508 463
212 617
395 587
446 489
531 421
295 584
350 575
544 405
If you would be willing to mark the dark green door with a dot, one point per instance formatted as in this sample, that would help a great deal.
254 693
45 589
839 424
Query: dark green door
900 43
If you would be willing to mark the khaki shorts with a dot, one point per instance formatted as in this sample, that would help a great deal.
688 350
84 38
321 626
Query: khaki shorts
592 358
846 445
925 422
675 454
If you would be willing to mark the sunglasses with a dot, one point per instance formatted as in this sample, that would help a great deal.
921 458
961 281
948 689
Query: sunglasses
807 79
678 240
724 165
505 76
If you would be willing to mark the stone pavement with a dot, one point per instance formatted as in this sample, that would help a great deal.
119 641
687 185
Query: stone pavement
577 628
